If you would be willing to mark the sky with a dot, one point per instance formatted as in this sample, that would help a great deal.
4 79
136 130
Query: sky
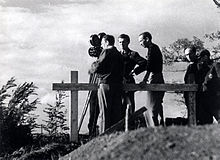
41 41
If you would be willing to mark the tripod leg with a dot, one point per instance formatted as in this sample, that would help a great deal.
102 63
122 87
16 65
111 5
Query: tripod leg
93 80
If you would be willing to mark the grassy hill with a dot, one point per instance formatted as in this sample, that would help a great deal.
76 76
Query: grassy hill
182 143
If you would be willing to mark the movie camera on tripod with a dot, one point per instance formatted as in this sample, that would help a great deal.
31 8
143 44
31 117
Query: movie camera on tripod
95 41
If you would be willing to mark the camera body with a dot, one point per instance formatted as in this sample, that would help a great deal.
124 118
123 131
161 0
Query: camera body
95 41
95 51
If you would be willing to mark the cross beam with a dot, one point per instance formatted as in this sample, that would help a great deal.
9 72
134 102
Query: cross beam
74 87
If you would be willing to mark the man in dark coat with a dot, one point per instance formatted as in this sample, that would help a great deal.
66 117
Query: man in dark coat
109 68
195 74
133 64
211 88
153 75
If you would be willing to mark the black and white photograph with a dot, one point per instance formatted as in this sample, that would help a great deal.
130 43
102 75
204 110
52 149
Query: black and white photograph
109 79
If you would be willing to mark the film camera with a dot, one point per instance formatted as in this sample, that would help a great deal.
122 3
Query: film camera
95 41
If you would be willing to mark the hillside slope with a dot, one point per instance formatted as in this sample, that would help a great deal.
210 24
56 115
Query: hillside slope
200 142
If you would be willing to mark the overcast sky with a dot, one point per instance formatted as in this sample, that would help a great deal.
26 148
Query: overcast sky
43 40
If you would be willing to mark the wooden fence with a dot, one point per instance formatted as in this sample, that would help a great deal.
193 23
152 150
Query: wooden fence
74 87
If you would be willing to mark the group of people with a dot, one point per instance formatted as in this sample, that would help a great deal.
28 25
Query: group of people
114 68
202 71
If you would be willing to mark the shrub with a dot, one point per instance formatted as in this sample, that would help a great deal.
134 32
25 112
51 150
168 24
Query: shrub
56 123
17 116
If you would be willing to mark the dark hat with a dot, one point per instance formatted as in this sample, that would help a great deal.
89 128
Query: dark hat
203 53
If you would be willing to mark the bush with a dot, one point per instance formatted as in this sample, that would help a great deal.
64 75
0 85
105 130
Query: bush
17 117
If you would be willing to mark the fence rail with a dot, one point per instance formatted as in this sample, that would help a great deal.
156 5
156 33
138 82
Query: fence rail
127 87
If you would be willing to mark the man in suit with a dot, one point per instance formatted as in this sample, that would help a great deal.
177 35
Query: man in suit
109 69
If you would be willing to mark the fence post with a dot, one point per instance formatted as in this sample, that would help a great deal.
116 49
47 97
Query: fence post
192 102
73 110
192 108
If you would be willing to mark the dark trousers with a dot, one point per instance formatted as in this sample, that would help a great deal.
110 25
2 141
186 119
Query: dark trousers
93 107
128 99
110 104
204 105
155 99
94 113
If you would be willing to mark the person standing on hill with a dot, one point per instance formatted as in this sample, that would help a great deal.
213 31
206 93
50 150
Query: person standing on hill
109 68
211 87
195 74
153 75
131 60
191 74
205 115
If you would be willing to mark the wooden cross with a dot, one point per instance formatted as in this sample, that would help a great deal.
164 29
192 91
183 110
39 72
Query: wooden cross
74 87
